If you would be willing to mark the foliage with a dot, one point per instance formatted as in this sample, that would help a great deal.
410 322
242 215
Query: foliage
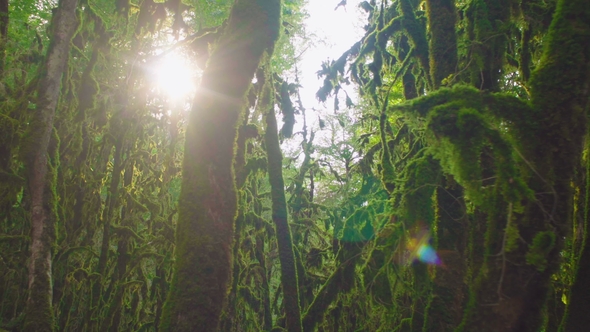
467 135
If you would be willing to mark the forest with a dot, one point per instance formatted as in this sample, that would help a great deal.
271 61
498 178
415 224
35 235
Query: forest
444 186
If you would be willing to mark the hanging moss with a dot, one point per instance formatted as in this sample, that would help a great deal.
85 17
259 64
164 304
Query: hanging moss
524 61
375 278
462 130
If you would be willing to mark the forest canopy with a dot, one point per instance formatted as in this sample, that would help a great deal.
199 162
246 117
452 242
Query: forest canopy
160 171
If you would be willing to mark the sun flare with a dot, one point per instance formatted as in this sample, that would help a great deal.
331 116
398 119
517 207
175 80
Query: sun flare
175 76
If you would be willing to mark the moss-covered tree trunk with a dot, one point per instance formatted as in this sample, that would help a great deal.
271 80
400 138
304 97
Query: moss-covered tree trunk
448 285
577 318
516 289
40 176
279 215
445 301
443 40
207 202
560 97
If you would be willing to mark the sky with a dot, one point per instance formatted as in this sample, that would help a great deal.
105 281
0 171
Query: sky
336 31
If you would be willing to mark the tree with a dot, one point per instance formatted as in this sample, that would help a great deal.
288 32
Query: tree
207 203
38 145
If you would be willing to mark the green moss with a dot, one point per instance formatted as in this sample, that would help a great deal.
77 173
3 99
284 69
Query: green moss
512 237
420 179
462 120
542 244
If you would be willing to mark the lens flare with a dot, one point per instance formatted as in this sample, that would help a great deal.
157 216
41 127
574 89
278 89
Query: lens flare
420 249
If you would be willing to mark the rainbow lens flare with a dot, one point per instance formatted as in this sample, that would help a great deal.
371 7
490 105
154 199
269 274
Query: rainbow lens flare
421 250
427 254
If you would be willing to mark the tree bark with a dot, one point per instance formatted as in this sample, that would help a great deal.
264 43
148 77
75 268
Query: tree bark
208 199
41 179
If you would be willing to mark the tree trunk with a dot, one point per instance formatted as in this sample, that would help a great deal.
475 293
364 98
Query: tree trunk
41 179
207 202
279 214
443 40
447 298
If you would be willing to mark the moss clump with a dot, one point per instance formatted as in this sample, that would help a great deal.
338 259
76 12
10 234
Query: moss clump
542 244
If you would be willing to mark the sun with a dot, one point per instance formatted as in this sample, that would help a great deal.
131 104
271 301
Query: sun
175 76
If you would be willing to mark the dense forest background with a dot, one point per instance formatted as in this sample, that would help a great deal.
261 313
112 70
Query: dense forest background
451 195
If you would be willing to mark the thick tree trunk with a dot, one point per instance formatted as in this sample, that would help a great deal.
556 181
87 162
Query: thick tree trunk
560 96
41 182
551 143
279 216
207 203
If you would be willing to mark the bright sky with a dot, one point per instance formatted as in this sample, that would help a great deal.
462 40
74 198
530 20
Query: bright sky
337 30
